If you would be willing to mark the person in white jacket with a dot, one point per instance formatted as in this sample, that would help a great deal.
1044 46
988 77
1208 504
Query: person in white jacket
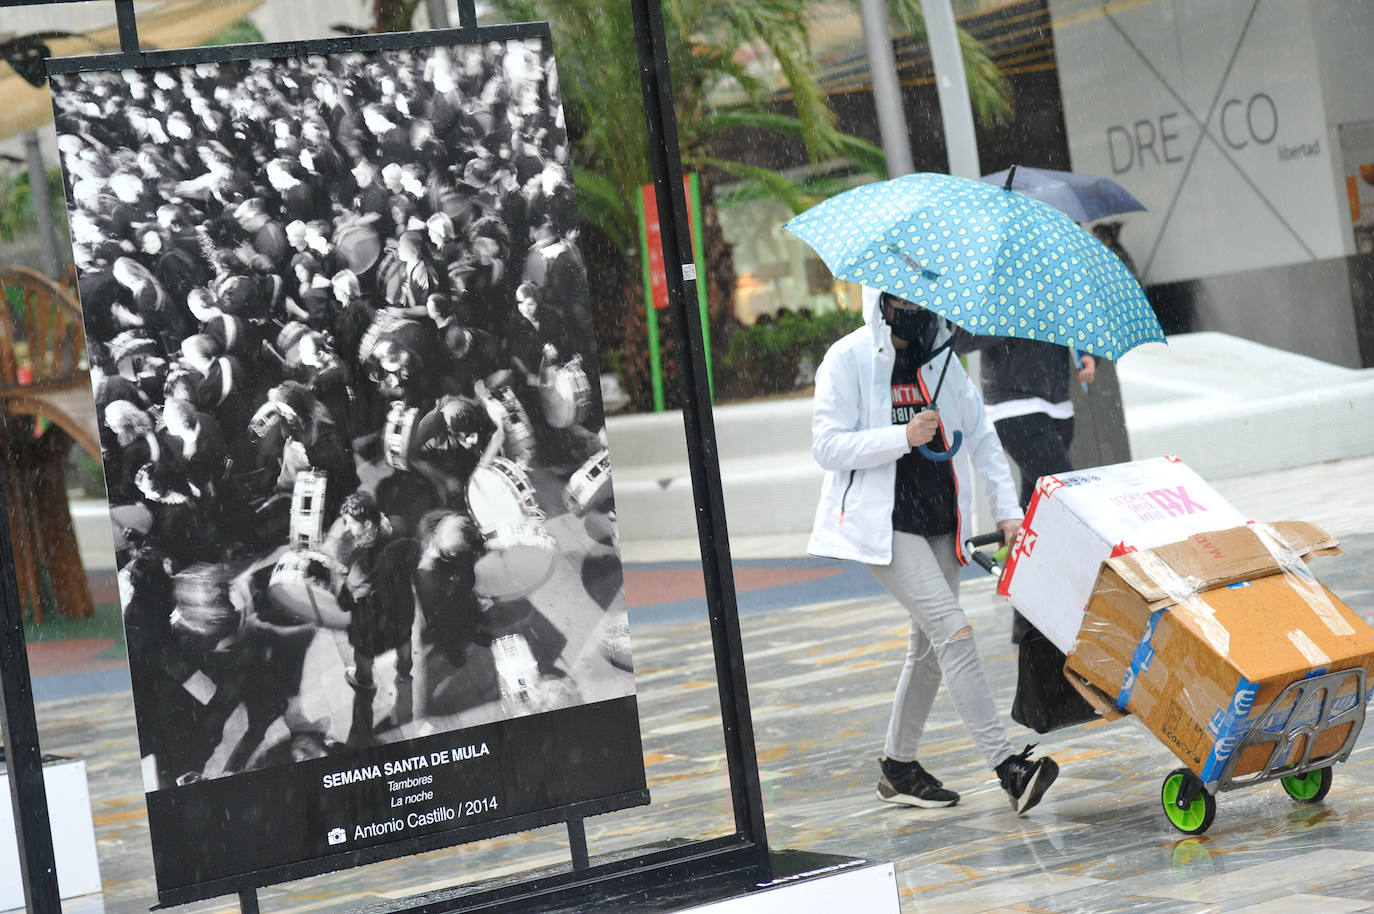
905 516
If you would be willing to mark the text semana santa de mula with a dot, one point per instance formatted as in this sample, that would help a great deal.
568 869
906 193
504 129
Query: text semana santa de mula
404 766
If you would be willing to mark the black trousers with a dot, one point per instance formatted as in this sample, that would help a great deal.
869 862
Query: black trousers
1040 446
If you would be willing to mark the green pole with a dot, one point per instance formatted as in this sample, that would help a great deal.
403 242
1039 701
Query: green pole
699 255
650 312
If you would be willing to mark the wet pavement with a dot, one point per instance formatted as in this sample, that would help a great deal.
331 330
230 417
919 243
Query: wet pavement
824 646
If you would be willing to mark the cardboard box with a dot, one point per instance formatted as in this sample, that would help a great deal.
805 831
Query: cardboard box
1199 637
1076 521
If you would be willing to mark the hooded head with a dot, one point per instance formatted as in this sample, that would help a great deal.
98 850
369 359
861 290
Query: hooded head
906 323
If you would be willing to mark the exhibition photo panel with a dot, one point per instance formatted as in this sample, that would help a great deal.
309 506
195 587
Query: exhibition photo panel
346 381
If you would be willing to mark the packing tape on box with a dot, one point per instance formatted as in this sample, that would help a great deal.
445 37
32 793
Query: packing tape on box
1141 659
1308 648
1301 579
1185 594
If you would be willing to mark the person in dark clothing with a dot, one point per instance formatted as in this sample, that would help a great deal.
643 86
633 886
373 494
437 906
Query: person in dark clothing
451 616
312 441
453 439
404 361
233 335
198 442
351 315
225 387
467 355
372 197
265 235
1026 388
378 597
109 386
536 336
179 524
298 200
312 299
154 309
135 443
251 663
327 378
165 713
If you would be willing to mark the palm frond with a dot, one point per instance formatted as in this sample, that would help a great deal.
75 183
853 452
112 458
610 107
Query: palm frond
606 204
989 91
765 182
866 156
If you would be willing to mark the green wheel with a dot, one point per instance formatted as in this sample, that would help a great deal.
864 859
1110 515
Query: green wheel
1308 788
1197 817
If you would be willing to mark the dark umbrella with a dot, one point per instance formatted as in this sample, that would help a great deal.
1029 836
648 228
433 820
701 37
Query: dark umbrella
1083 198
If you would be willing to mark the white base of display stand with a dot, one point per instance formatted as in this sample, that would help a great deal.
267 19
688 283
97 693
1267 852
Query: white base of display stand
73 834
864 886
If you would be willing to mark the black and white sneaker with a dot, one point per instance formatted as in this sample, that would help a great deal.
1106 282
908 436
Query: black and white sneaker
909 784
1025 781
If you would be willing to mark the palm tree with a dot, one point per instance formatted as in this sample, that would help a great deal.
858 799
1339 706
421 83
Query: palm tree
708 40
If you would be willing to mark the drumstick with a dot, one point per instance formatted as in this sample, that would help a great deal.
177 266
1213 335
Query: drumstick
314 605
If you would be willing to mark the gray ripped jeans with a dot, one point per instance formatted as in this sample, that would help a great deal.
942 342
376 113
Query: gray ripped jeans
924 578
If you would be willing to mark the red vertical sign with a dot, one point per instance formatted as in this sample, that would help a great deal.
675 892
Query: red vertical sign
653 234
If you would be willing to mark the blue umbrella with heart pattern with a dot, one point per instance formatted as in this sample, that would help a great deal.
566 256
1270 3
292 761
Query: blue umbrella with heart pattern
990 259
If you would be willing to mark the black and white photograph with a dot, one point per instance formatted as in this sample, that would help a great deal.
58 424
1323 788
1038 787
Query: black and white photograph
344 364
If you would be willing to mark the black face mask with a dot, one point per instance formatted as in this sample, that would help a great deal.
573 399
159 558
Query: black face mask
917 327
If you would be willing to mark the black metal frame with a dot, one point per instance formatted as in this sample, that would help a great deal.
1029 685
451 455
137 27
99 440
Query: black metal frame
747 847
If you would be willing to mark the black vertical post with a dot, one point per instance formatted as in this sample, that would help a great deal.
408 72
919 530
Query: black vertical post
28 795
467 14
661 121
577 844
128 27
248 901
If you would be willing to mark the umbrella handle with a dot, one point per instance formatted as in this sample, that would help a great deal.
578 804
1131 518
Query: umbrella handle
928 454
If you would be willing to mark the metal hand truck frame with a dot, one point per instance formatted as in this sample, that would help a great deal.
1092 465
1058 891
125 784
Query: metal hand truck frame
1191 806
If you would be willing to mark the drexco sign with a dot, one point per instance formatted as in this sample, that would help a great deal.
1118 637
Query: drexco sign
1212 115
1159 141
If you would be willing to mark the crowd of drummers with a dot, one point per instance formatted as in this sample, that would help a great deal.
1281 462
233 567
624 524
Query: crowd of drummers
338 322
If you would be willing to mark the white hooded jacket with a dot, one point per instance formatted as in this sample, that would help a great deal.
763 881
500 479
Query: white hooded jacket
854 440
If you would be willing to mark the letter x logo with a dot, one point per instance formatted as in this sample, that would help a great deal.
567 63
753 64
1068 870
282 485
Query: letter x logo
1205 132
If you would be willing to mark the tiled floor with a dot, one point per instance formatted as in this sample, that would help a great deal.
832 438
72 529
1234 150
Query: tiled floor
820 675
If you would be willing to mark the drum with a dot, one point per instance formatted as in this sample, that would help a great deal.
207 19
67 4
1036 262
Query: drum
523 688
500 495
398 434
383 324
520 558
289 337
266 422
129 350
360 247
130 523
590 485
517 670
565 394
519 444
305 585
307 509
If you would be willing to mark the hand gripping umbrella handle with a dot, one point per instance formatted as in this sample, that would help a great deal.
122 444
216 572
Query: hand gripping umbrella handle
957 440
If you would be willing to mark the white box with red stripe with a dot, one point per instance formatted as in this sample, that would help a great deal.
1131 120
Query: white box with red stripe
1078 520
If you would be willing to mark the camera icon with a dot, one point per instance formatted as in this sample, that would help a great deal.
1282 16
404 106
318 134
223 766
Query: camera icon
337 836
